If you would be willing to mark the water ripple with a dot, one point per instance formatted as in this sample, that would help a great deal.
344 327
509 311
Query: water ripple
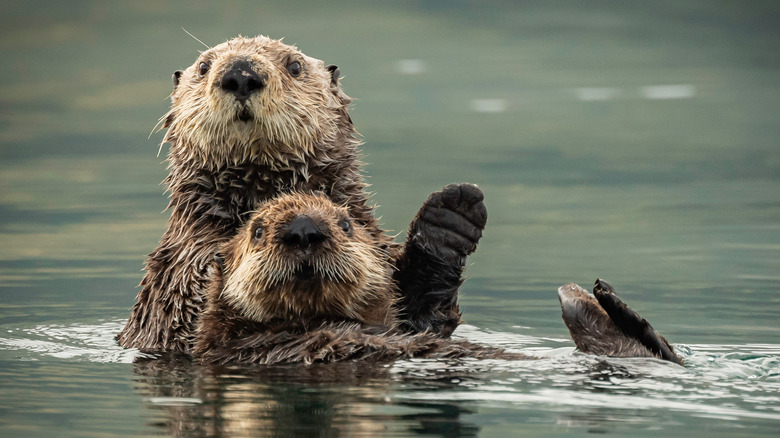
85 342
726 381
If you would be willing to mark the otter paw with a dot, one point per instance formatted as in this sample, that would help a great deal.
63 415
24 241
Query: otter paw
451 221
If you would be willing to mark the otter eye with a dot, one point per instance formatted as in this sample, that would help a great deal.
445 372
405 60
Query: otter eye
345 225
294 68
258 232
203 68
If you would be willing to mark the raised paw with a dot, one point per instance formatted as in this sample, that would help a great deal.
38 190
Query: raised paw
451 221
604 325
631 323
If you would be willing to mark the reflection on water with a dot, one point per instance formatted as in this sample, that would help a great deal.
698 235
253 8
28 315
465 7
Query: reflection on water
728 384
635 142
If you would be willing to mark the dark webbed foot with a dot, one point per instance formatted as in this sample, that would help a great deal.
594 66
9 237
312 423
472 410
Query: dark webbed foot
446 230
631 323
450 222
602 324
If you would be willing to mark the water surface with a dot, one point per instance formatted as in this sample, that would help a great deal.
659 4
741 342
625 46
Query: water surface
636 143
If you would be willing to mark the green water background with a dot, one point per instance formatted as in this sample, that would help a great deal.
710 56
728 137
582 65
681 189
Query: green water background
675 201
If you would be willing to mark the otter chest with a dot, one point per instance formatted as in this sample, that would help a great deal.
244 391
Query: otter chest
231 192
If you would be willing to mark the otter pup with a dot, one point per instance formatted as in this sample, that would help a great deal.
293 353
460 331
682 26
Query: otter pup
602 324
254 118
302 281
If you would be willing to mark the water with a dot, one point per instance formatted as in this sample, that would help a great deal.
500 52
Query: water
636 143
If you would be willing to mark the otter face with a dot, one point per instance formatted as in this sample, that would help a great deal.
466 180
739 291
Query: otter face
301 257
255 98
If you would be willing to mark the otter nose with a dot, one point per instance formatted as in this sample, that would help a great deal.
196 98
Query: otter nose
303 232
241 81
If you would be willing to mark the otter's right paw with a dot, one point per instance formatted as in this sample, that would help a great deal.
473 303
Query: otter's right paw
450 222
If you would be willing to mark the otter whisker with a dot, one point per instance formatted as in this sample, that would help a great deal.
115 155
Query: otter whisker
157 126
299 136
195 38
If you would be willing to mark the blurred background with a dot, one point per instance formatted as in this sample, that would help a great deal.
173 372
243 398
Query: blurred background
632 141
627 140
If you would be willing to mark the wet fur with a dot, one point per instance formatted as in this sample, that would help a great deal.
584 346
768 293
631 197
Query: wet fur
226 336
606 326
430 271
300 137
259 312
351 270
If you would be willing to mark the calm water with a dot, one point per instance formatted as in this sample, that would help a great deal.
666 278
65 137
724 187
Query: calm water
635 143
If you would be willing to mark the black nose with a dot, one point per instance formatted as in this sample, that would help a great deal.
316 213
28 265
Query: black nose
241 80
303 232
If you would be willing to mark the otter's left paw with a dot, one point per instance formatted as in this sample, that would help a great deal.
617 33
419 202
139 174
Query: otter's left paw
451 221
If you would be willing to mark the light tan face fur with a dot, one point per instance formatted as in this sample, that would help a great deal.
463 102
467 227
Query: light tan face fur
351 276
290 115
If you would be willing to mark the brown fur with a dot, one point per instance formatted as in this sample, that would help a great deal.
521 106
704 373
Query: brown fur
260 311
352 275
300 137
590 326
615 331
231 151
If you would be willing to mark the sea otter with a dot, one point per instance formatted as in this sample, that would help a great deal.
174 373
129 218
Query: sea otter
254 118
600 323
303 281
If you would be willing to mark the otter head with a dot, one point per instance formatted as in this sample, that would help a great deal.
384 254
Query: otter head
256 99
301 258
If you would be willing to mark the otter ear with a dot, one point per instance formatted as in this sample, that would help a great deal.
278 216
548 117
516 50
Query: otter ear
176 76
334 74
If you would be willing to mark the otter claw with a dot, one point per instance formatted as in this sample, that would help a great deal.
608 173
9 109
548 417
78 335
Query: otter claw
451 221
